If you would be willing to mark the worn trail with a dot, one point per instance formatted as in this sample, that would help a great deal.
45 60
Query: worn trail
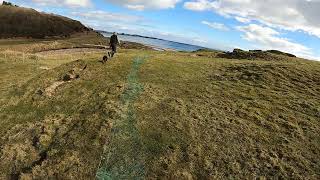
123 156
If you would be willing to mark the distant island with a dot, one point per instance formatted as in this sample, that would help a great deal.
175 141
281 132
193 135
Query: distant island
135 35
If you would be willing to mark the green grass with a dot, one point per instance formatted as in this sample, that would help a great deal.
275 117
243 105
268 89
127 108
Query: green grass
197 117
235 119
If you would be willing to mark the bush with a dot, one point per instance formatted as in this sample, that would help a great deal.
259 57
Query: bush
5 3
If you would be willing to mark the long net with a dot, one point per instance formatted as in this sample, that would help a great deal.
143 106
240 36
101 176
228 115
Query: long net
123 156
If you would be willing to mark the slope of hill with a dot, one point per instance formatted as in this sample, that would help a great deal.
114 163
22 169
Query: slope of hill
153 115
25 22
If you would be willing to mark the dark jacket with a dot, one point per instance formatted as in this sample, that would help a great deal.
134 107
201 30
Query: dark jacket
114 40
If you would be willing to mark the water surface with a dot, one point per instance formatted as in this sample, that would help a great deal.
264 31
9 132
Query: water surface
157 43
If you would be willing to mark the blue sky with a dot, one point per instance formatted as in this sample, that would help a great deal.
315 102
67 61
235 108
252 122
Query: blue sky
288 25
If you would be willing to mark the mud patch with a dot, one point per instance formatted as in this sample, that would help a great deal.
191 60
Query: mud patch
44 68
67 78
68 51
49 91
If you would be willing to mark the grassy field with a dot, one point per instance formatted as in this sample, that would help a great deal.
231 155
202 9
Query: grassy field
156 115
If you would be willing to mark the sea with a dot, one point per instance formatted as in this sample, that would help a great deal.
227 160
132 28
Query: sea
158 44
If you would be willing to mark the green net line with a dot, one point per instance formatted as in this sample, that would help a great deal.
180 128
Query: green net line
123 157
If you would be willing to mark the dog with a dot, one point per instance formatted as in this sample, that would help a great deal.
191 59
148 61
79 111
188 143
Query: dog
107 57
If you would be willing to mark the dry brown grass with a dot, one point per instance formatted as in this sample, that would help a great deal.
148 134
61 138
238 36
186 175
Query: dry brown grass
28 23
32 150
57 145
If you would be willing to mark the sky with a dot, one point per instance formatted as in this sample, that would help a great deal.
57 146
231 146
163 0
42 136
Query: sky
288 25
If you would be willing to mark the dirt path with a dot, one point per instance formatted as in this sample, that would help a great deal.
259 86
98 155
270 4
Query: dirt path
68 51
50 90
124 153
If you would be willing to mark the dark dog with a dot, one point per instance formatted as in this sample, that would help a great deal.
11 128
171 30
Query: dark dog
107 57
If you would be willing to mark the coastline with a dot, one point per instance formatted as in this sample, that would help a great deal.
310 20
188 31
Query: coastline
156 43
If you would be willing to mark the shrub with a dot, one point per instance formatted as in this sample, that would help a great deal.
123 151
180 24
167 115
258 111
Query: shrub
5 3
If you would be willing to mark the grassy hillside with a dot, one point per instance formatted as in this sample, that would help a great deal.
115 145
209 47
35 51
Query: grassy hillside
149 115
25 22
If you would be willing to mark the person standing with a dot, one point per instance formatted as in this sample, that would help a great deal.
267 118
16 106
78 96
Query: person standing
114 42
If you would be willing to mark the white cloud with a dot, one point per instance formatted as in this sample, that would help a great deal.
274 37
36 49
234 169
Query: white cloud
293 15
268 38
200 5
68 3
114 22
145 4
136 7
242 19
104 16
215 25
